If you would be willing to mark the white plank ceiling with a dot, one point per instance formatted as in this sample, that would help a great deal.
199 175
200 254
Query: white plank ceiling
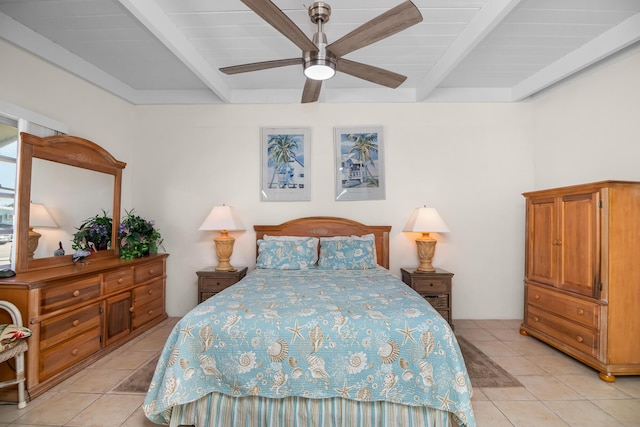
169 51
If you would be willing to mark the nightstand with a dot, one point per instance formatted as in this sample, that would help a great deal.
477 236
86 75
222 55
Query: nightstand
435 287
210 281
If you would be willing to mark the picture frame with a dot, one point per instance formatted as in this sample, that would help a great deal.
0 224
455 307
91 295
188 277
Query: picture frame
359 154
285 164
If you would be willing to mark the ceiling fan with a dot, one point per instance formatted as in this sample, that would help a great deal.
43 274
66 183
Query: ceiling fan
321 60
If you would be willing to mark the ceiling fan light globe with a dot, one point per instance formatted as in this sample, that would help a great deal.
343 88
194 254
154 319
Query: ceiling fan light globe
319 69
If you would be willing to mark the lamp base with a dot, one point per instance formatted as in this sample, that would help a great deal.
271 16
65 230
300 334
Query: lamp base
426 249
224 249
32 242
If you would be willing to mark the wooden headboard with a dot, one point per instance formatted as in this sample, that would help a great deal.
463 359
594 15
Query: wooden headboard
328 226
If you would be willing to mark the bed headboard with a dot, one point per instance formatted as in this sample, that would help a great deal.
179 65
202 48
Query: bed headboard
328 226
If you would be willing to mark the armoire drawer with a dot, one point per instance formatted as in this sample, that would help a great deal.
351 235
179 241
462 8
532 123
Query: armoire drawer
148 271
568 332
60 328
64 293
584 312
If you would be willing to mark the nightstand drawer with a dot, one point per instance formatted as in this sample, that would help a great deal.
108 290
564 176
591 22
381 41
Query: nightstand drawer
430 285
216 285
439 302
210 281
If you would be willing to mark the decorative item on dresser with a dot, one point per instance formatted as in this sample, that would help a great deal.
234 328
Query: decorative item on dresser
77 312
582 274
434 286
212 281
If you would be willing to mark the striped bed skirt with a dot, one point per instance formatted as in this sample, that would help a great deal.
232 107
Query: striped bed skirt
218 409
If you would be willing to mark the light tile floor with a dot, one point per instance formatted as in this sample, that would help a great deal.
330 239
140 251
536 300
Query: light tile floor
558 391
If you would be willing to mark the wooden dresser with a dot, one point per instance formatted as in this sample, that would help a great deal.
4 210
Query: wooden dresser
582 273
80 312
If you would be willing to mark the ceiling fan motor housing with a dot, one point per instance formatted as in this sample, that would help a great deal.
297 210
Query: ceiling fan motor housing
319 11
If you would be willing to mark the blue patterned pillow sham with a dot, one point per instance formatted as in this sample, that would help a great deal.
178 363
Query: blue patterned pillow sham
347 253
287 254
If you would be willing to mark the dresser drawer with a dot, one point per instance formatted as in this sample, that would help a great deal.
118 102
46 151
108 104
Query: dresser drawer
60 328
431 286
64 293
149 271
438 301
585 312
149 291
119 279
60 357
146 312
570 333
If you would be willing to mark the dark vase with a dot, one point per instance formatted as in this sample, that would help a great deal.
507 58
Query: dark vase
102 246
145 252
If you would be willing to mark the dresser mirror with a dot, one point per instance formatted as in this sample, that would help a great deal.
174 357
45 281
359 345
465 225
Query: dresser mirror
73 179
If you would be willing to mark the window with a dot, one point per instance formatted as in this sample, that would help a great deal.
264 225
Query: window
8 155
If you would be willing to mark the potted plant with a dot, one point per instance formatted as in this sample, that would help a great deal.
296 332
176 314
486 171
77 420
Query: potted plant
138 236
94 234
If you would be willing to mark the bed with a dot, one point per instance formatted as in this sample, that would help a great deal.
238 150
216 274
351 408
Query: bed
319 334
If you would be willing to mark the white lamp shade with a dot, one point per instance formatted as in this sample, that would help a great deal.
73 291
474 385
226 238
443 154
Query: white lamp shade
426 220
40 217
222 218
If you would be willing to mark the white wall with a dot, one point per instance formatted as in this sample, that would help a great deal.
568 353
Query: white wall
588 129
470 161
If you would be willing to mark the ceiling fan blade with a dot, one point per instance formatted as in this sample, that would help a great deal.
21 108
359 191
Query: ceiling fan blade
281 22
389 23
256 66
311 91
370 73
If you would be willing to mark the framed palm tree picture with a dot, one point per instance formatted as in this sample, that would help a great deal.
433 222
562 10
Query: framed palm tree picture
359 163
285 164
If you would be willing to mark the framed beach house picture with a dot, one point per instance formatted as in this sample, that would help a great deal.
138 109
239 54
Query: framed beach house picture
285 164
359 163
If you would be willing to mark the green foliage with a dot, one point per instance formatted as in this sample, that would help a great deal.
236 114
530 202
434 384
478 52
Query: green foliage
138 237
96 230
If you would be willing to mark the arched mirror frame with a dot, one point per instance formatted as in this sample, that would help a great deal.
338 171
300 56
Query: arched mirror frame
66 150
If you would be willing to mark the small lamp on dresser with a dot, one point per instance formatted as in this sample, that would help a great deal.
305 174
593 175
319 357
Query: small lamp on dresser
223 219
426 220
38 217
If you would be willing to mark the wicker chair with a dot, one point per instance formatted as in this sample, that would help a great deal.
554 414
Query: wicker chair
15 349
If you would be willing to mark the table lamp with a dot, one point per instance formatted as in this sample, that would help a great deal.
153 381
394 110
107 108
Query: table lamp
426 220
38 217
223 219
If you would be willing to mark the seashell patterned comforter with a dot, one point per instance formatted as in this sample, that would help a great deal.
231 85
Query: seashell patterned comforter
356 334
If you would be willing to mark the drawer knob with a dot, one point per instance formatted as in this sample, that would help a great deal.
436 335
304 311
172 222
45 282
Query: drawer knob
74 352
536 319
536 296
580 311
76 322
131 309
150 291
76 293
150 312
120 280
579 338
151 271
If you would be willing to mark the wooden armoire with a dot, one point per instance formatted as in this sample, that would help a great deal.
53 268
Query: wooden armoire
582 273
